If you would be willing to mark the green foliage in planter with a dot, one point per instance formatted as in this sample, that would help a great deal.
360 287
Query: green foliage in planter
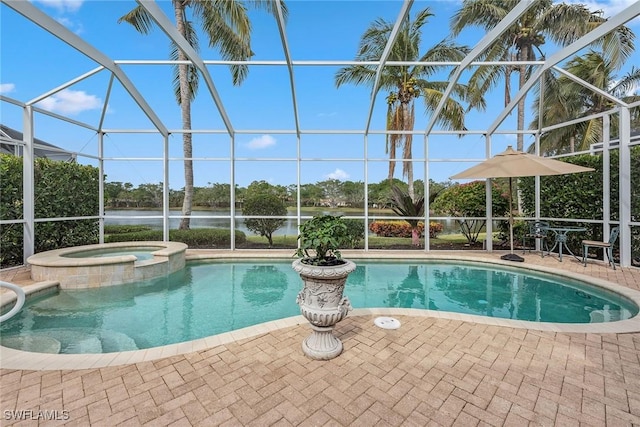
469 200
324 235
62 189
194 238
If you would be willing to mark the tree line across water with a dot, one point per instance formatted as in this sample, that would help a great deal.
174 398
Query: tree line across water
327 193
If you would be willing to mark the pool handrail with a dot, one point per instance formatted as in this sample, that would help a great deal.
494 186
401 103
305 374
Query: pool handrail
20 299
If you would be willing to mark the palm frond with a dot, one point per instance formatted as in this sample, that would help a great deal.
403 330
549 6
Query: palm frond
229 30
591 134
563 23
403 205
191 72
270 7
630 82
485 77
451 116
444 51
356 74
139 18
617 45
481 13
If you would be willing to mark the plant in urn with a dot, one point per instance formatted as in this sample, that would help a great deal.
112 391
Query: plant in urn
324 273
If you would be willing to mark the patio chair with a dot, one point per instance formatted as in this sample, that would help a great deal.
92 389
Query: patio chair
606 246
537 231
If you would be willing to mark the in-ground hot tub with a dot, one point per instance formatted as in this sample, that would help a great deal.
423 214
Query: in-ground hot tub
107 264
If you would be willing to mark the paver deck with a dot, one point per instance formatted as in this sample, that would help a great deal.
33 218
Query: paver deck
431 371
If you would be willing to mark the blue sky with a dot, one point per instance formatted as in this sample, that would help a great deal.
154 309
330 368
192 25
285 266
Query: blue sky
33 62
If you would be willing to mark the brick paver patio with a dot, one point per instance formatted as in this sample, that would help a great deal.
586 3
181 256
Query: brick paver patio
429 372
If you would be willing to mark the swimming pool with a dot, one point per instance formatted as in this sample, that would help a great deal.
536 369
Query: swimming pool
209 298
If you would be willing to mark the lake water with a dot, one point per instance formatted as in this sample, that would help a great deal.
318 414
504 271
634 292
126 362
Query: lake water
199 220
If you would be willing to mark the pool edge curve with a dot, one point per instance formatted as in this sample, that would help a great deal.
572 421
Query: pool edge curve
17 359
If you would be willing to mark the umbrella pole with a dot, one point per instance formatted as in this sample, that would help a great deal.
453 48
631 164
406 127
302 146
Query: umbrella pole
511 256
511 212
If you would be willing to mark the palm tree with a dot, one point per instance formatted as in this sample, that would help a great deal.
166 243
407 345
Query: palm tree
561 23
227 26
403 205
406 83
565 99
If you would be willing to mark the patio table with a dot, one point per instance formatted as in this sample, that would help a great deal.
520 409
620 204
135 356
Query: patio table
561 232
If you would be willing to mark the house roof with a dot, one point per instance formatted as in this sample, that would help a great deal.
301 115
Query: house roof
42 148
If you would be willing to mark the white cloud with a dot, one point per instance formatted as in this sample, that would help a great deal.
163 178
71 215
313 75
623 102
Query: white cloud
63 5
338 174
64 8
261 142
7 87
609 7
70 102
75 26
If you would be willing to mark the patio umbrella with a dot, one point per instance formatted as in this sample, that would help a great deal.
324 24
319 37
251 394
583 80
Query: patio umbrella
514 164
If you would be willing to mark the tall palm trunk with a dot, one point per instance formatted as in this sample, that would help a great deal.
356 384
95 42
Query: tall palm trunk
407 124
522 77
185 107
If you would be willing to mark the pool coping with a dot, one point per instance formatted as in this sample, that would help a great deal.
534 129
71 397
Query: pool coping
17 359
57 257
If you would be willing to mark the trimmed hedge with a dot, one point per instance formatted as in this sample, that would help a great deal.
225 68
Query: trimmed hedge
62 190
194 238
125 228
579 195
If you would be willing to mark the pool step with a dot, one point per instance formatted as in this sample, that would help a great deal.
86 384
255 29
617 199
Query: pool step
36 343
75 341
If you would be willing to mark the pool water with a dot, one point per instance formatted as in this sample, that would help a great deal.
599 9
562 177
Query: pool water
208 298
142 254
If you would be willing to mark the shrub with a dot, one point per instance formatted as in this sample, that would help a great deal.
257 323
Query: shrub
355 231
194 238
469 200
435 228
62 190
579 195
394 228
125 228
403 228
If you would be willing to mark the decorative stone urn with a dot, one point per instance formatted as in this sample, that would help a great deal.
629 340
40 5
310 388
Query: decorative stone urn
323 304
